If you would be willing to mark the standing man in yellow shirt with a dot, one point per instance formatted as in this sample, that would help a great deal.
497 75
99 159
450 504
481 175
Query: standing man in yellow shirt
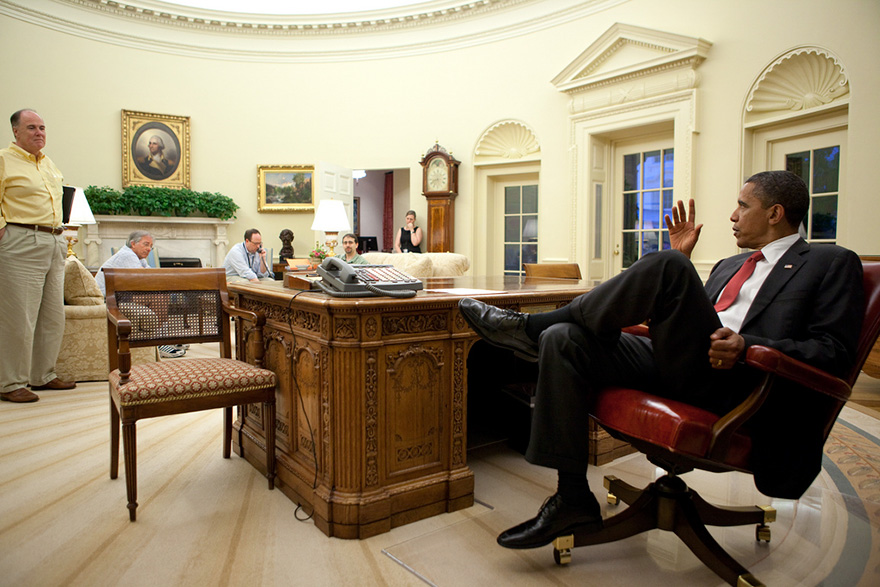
31 263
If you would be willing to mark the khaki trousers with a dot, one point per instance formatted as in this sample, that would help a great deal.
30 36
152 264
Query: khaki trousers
31 306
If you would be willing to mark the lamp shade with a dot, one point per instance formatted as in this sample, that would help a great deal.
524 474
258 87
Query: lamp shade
80 212
331 217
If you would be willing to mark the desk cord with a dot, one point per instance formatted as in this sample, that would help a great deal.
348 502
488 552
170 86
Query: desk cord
302 407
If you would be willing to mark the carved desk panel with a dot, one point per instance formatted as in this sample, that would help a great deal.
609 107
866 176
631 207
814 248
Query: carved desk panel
371 423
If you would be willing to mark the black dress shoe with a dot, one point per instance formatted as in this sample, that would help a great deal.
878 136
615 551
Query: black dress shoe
556 518
502 328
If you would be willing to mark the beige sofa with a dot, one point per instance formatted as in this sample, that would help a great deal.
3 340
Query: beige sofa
83 355
423 264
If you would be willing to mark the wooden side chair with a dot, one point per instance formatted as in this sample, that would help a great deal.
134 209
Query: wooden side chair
149 307
680 437
557 270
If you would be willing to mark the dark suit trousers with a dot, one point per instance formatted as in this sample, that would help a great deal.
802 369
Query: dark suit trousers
589 353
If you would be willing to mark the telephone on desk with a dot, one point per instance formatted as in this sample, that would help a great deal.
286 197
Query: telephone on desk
341 279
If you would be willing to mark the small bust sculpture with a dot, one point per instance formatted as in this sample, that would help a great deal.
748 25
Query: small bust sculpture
286 253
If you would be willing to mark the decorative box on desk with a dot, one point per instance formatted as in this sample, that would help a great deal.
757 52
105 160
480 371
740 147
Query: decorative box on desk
300 279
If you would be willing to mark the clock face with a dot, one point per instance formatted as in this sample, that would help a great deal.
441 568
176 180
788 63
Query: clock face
438 175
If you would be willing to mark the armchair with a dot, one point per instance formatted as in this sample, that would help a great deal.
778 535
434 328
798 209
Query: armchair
148 307
679 438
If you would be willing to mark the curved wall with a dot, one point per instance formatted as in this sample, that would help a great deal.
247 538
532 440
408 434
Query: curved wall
384 112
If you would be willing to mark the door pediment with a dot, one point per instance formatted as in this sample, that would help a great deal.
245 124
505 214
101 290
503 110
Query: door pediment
625 52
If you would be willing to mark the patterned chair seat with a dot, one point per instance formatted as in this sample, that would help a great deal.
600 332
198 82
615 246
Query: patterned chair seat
188 378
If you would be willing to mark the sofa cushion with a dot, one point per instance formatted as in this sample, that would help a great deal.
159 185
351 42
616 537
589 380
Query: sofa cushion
449 264
412 264
80 288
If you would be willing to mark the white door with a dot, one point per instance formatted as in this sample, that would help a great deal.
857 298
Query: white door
516 224
334 182
643 195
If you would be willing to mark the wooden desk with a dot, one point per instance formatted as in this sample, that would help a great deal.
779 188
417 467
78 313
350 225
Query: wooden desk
373 391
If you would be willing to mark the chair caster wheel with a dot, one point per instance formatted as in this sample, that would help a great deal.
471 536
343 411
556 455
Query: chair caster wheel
762 533
562 557
612 499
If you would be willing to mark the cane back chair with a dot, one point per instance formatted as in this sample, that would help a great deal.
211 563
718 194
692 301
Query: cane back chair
679 438
149 307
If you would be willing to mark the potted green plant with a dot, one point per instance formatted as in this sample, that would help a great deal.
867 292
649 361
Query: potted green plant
159 201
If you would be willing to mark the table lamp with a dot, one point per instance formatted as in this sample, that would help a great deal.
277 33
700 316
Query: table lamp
332 219
80 214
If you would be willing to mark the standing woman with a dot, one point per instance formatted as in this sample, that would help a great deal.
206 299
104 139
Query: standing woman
409 236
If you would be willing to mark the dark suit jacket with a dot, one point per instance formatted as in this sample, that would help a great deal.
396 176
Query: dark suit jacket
811 308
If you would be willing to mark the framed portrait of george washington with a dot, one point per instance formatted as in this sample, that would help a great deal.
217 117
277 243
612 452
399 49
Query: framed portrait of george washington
155 150
285 188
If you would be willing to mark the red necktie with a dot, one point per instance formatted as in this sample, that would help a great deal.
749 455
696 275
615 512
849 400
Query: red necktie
736 282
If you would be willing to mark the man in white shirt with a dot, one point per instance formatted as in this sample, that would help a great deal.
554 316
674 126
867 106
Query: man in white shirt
246 261
803 299
133 255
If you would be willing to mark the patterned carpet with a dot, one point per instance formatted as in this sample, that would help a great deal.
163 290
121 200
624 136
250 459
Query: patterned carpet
205 520
830 537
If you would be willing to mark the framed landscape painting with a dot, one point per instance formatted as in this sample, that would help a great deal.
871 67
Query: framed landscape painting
155 150
285 188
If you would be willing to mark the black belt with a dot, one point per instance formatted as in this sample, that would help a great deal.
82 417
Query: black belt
49 229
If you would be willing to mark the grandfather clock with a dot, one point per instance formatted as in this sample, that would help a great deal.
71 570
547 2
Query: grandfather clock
440 186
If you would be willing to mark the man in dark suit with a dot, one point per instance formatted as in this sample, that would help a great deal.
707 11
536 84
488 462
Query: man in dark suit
804 300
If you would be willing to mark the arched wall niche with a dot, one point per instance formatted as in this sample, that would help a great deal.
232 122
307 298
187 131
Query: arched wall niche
508 150
797 104
802 79
506 142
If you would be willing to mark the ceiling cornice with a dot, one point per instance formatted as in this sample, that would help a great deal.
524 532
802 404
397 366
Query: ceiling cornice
163 14
118 23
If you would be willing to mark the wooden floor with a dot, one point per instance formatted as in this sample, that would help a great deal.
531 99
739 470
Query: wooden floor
205 520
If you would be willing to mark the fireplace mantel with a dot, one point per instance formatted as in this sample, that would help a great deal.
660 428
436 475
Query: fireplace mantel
173 236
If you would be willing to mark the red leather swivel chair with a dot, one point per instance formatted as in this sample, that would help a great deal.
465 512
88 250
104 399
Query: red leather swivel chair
679 438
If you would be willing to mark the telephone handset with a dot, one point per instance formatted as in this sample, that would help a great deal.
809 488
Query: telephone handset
343 280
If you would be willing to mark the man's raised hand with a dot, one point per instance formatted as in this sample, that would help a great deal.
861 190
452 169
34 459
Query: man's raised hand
683 232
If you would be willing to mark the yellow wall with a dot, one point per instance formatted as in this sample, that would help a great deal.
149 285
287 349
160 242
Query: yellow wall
385 113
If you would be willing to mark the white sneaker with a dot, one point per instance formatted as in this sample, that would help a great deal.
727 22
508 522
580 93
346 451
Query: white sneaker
170 352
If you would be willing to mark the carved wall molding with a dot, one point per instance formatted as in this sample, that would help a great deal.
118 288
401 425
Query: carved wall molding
509 140
804 78
205 238
633 88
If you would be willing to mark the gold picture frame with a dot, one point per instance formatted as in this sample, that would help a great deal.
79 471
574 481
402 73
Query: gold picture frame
155 150
285 188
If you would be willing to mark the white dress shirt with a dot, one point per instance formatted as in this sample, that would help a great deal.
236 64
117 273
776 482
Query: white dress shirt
734 316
